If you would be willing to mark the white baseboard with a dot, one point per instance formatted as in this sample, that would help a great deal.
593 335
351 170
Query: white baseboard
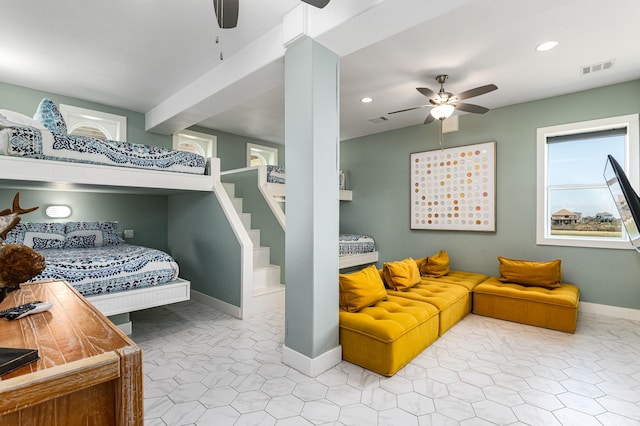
218 304
312 367
610 311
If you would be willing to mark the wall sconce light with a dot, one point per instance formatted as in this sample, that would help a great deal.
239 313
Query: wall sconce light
58 211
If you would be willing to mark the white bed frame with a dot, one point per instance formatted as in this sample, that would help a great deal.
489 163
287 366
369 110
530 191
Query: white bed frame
123 302
19 172
29 172
351 260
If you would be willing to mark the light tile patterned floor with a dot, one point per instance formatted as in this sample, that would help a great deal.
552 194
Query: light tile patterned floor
206 368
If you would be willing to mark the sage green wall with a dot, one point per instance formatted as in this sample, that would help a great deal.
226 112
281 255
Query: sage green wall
232 149
204 245
378 171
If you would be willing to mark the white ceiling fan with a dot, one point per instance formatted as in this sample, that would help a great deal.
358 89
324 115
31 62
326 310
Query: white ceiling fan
227 11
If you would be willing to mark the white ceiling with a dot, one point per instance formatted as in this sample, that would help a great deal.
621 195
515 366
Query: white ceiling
159 57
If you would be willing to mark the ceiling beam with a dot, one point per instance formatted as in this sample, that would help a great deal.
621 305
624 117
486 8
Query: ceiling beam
343 27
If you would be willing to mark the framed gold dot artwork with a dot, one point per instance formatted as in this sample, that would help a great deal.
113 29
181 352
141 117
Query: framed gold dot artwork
454 188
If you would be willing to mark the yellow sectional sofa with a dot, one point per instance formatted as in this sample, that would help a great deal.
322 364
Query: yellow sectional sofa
555 308
389 315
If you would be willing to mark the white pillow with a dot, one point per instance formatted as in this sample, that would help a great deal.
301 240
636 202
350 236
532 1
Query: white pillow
21 119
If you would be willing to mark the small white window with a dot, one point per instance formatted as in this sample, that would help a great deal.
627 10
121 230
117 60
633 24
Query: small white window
97 124
259 155
196 142
574 205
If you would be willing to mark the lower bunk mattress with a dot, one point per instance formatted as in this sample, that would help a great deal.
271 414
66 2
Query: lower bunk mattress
108 269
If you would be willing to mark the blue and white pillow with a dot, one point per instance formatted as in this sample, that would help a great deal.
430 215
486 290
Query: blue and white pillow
49 115
47 243
80 241
106 233
26 232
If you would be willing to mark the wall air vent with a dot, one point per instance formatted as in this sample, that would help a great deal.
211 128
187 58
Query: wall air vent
380 119
601 66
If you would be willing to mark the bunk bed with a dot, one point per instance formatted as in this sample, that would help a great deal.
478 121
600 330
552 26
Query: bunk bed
38 154
90 256
354 249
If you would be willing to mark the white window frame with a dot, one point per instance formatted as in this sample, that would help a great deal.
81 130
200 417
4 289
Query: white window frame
632 160
113 125
207 144
255 149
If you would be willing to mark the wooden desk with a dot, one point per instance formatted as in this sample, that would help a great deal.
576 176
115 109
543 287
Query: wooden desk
89 372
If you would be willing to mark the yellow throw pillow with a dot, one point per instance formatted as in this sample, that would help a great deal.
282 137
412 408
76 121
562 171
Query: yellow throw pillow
435 266
531 273
361 289
401 275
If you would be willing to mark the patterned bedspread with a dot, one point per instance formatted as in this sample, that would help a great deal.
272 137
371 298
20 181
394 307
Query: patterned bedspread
275 174
355 244
108 269
37 143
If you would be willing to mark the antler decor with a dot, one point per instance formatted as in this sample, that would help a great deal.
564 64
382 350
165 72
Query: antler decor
18 263
10 218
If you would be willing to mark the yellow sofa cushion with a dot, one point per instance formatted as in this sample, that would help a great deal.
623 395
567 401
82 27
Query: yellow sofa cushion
401 275
361 289
434 266
531 273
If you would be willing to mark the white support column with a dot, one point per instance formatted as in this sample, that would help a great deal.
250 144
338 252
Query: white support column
311 150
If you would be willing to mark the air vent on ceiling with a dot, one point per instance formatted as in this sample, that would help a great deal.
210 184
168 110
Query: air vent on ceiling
380 119
601 66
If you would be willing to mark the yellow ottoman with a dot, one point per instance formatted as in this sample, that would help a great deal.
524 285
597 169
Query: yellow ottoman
556 309
388 335
452 300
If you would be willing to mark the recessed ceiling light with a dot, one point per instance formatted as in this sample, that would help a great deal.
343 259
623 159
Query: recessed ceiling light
366 100
547 45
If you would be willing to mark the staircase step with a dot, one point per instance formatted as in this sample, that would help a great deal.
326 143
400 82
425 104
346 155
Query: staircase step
230 189
254 234
266 276
261 257
237 204
246 220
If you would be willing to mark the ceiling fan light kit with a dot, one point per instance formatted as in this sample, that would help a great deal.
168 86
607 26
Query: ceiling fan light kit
442 111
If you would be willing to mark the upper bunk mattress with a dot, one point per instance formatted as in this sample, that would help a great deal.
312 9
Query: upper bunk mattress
33 142
108 269
275 174
355 244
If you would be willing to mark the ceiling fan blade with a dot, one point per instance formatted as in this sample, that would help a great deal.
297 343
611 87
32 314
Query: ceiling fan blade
430 119
317 3
476 92
427 92
408 109
476 109
226 13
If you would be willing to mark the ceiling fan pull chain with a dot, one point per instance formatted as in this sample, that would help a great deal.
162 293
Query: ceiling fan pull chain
218 42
